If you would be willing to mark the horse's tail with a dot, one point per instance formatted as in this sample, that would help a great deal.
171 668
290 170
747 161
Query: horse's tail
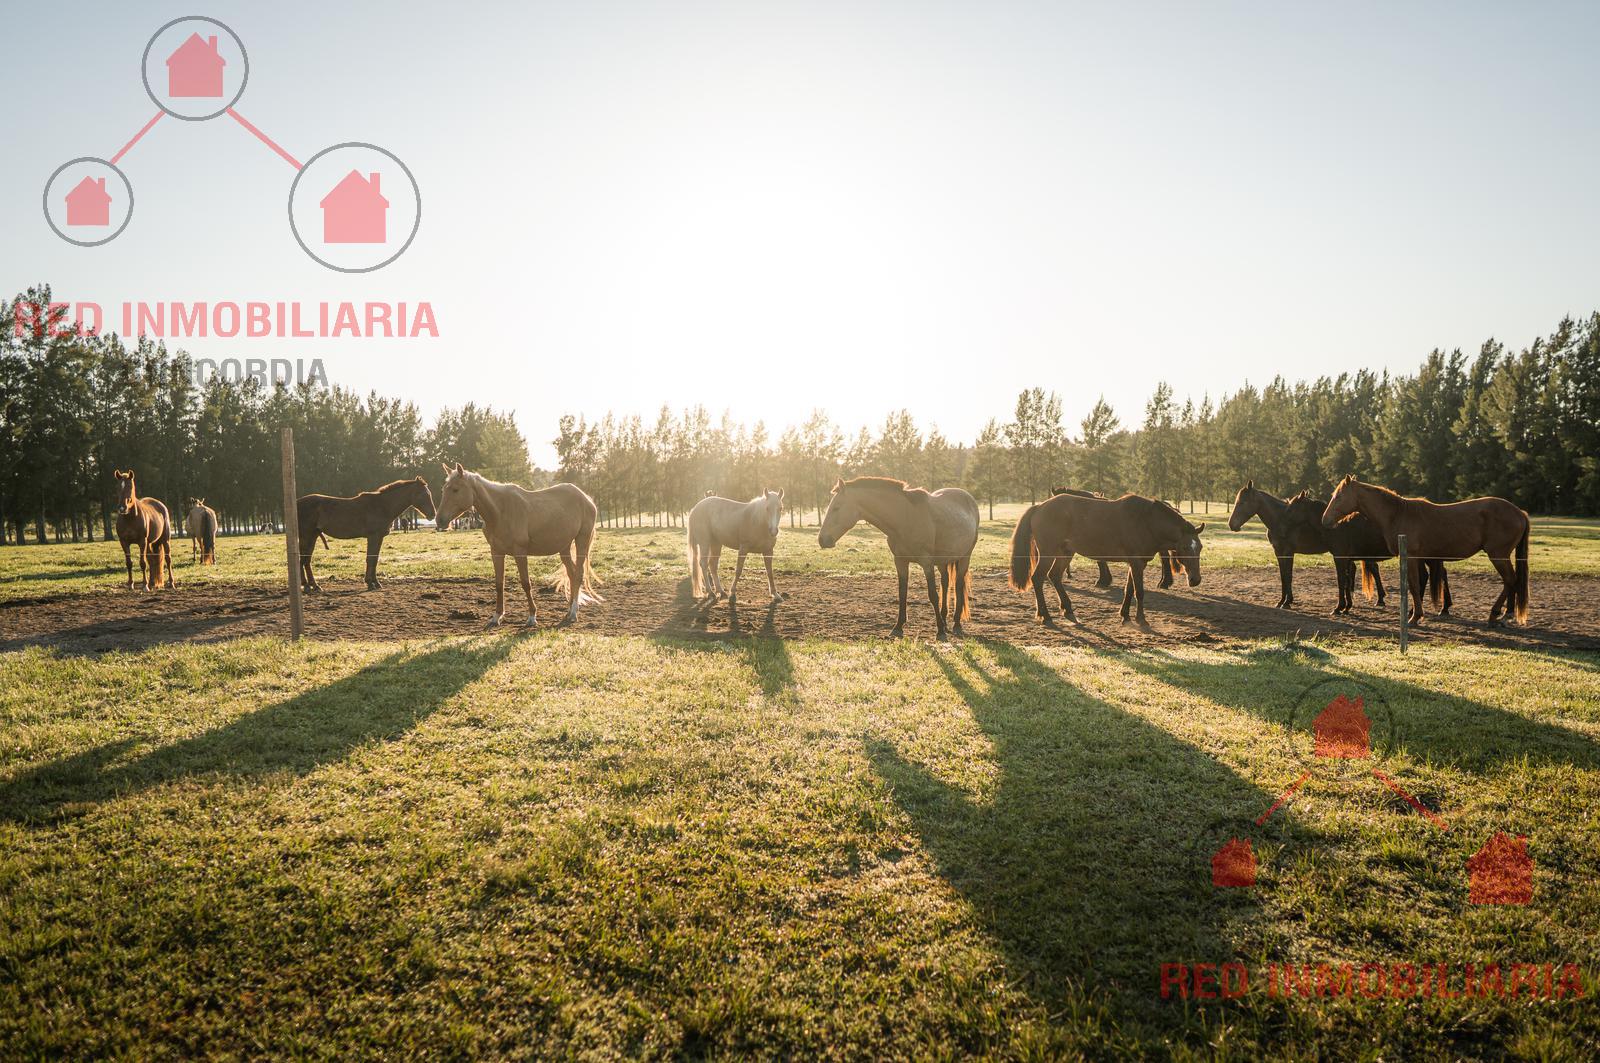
326 545
208 538
1522 576
584 541
1023 551
966 590
1435 569
1369 579
696 586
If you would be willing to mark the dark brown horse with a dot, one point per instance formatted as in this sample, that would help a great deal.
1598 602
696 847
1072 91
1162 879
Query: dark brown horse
1132 529
144 521
1356 540
1450 531
368 516
1105 569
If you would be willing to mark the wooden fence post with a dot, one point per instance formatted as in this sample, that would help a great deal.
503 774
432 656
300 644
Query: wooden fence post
1405 594
291 534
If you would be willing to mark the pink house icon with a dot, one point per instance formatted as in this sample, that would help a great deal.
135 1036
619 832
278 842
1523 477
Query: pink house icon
89 203
195 69
354 211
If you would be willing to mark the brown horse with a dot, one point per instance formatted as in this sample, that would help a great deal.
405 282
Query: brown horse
144 521
368 516
936 530
1132 528
1356 540
557 520
203 533
1450 531
1105 569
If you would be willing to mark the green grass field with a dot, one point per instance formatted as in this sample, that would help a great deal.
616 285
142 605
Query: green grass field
1560 546
579 846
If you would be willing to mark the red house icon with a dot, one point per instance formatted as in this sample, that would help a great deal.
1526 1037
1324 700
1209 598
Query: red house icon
354 211
195 69
89 203
1501 872
1234 864
1342 730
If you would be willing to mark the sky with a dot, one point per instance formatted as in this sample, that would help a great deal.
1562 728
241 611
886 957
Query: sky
768 208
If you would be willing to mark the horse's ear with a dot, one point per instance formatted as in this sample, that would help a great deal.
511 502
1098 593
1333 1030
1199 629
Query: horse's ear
1198 528
838 482
445 467
780 494
1250 485
459 469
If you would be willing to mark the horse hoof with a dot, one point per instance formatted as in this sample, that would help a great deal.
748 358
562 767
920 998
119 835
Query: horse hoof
494 622
942 637
531 623
958 631
897 632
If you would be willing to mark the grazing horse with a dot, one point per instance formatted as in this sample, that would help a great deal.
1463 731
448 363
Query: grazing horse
1105 569
368 516
1132 528
557 520
1450 531
936 530
144 521
715 522
203 533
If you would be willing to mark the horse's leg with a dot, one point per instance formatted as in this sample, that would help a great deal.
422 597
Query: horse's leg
1377 580
499 589
961 593
1166 571
127 557
1041 569
374 546
1105 576
903 571
527 589
574 567
144 558
1058 582
1285 577
714 563
942 606
738 570
1443 579
1127 594
772 586
166 555
1413 577
933 599
1138 589
1508 579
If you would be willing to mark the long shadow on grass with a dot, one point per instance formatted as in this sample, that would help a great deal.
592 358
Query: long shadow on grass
1436 727
379 703
1088 863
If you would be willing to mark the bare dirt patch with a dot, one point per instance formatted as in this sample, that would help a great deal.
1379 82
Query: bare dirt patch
1230 606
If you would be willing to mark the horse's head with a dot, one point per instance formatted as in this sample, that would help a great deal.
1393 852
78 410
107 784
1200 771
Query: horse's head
127 495
422 498
1245 506
1186 552
773 501
455 498
1343 503
843 514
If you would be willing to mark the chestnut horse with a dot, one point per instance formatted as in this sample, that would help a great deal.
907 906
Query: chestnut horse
368 516
1355 539
715 522
1132 528
144 521
203 533
1105 569
936 530
1450 531
519 522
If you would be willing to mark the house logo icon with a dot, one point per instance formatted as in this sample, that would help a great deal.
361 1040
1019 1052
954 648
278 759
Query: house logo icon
1501 872
1234 864
195 68
1342 730
89 203
354 212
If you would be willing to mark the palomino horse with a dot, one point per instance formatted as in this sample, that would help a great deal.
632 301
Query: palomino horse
936 530
203 533
368 516
715 522
144 521
1132 528
519 522
1450 531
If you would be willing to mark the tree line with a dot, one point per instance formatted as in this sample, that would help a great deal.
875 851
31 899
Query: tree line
1523 424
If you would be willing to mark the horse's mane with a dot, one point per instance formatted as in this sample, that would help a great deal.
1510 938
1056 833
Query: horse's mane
394 486
886 483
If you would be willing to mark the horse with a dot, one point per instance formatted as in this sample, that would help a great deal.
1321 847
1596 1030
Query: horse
557 520
368 515
1449 531
144 521
1105 569
936 530
1353 539
203 533
1132 528
715 522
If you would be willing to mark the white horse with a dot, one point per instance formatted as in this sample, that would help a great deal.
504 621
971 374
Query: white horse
519 522
716 522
